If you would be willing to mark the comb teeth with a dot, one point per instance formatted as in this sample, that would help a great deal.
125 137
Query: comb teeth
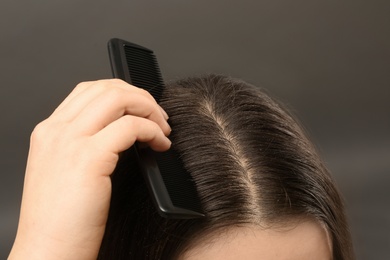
171 186
178 181
144 71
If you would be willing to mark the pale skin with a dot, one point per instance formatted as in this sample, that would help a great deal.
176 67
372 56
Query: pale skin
304 240
67 186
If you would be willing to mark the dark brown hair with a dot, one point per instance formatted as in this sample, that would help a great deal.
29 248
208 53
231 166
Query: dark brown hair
250 160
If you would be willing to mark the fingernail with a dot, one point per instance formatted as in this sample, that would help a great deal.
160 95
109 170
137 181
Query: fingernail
169 142
169 127
165 115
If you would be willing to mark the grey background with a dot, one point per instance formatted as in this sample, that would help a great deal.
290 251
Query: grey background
327 60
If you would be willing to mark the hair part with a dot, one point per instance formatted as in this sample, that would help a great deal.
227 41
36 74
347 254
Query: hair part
252 165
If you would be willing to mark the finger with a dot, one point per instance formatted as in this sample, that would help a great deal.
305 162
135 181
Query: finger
113 104
76 91
123 132
85 92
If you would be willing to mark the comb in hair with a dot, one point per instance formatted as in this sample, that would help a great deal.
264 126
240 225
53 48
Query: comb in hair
171 186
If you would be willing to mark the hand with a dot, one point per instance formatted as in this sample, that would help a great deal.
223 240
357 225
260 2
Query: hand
67 185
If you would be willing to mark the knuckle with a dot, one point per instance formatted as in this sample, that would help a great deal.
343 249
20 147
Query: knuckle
154 128
50 131
113 83
117 81
82 85
108 88
132 122
39 132
146 93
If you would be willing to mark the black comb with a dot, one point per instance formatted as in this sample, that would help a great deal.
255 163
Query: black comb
171 186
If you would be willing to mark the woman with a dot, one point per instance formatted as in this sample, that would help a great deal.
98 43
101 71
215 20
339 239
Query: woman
264 191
